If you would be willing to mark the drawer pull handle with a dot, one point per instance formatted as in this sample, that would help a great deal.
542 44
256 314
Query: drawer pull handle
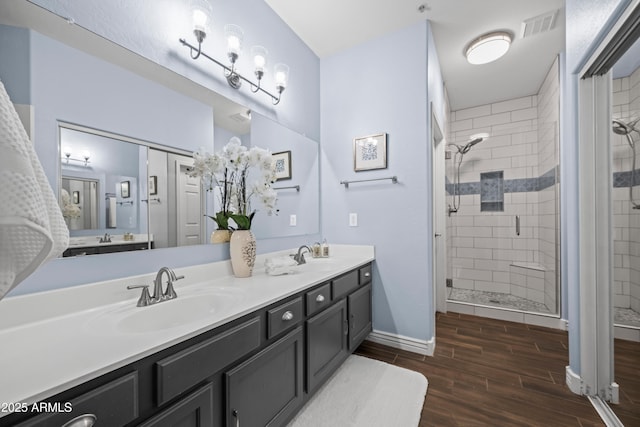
86 420
287 316
367 274
320 298
237 417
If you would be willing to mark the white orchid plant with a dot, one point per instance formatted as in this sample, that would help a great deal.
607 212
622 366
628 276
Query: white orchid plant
240 174
69 210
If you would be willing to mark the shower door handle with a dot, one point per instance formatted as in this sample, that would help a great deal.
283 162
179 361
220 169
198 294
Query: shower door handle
437 235
517 225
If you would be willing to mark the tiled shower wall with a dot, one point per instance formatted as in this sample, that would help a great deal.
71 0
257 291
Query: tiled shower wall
626 221
481 245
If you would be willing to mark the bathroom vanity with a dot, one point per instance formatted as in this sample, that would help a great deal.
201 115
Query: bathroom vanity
262 348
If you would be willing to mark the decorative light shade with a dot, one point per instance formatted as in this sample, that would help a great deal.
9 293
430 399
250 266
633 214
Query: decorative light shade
234 35
202 12
259 55
281 72
488 47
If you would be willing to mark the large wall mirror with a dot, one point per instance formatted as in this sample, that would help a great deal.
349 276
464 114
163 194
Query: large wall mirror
139 124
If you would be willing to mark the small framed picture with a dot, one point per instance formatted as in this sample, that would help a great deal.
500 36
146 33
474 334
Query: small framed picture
370 152
153 185
124 190
76 197
283 165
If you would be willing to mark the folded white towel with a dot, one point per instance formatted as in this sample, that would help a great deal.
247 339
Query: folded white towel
280 265
32 229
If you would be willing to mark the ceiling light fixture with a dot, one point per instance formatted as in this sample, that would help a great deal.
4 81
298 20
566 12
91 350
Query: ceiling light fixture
488 47
234 36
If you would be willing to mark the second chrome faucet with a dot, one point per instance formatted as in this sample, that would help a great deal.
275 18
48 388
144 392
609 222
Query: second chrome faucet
158 294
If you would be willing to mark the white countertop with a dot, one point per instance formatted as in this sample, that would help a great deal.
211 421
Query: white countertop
116 239
55 340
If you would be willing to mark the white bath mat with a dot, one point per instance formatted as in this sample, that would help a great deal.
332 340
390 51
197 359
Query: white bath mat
366 393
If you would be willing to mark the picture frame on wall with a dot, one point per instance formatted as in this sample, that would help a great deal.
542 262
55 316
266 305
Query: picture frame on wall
153 185
283 165
125 189
370 152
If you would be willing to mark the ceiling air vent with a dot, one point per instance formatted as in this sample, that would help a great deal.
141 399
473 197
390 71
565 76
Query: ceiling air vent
540 24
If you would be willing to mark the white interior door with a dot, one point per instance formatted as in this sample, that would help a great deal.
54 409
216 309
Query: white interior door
439 216
189 217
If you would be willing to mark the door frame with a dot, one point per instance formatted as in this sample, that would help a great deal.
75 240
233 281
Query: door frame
439 225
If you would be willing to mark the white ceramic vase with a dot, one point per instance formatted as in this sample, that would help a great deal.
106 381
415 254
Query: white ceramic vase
220 236
242 248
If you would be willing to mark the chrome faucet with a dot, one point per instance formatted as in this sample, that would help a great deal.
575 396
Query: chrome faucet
169 293
158 295
106 238
299 257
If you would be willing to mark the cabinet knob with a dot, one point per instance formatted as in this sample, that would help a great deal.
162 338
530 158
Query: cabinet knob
367 274
320 298
86 420
287 316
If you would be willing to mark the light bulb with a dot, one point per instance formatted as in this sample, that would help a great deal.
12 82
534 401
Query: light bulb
259 54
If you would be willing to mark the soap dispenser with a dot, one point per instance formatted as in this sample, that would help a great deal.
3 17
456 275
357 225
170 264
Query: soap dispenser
316 250
325 249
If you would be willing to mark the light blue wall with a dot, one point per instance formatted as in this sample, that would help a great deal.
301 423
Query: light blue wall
381 86
16 71
587 21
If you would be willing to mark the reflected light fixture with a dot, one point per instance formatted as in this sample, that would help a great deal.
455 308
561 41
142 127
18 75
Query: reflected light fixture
85 158
488 47
234 36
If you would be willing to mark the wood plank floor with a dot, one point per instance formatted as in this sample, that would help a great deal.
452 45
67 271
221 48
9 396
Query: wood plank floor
489 372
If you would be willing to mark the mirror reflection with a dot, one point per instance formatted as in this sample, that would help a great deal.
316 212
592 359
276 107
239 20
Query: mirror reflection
120 194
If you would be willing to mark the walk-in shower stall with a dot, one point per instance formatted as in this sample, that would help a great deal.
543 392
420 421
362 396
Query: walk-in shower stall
626 199
503 203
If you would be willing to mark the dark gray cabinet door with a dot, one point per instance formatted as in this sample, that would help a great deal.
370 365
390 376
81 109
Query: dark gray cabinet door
326 344
195 410
359 316
267 389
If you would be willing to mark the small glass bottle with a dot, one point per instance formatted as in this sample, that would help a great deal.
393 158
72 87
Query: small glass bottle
316 251
325 249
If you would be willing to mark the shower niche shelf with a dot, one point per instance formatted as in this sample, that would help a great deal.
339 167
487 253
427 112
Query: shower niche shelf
492 191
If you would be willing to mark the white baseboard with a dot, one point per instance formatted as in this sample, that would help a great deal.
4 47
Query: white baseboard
607 415
574 382
403 343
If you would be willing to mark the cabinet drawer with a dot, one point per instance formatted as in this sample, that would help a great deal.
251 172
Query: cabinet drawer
318 299
113 404
365 274
345 284
195 409
283 317
181 371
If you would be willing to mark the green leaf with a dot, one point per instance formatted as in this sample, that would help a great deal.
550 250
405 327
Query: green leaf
242 221
221 219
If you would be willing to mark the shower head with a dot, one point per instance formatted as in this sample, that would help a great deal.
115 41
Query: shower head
470 144
622 128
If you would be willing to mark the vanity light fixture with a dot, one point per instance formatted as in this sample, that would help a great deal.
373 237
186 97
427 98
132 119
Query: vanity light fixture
488 47
85 158
234 36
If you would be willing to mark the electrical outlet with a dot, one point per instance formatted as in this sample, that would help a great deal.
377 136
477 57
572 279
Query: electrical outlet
293 220
353 219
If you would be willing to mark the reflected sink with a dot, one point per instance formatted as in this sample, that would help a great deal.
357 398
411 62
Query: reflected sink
171 314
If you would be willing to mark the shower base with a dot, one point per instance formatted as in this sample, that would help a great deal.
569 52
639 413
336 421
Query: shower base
626 317
496 299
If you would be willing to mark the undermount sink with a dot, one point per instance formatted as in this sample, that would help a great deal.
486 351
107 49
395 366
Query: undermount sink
185 309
